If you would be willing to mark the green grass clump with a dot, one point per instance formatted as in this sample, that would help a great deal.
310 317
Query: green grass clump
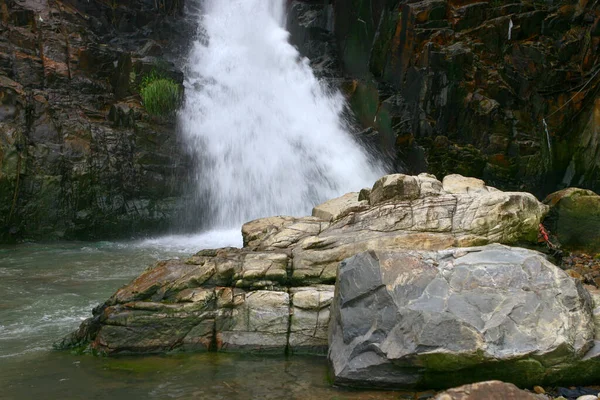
161 96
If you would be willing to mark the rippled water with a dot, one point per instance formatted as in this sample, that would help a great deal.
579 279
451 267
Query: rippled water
47 289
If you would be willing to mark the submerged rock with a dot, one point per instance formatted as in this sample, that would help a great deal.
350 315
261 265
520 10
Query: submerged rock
431 319
490 390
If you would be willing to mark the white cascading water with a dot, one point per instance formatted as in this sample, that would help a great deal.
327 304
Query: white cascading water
271 137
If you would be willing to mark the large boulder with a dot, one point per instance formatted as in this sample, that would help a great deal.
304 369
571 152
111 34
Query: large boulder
444 318
575 218
274 294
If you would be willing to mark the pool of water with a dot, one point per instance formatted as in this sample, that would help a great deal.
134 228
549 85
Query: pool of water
46 290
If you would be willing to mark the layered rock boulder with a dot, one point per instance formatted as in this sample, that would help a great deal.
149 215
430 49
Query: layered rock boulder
227 300
422 318
274 293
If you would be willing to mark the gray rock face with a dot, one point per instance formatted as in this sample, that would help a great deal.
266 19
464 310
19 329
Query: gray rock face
416 317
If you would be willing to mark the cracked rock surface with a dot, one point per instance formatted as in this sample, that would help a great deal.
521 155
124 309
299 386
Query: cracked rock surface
417 318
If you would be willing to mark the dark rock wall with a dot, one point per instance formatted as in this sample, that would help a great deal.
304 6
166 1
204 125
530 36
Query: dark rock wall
79 156
444 88
437 85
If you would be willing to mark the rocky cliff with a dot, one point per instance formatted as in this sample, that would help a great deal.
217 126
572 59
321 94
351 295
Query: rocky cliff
501 90
79 155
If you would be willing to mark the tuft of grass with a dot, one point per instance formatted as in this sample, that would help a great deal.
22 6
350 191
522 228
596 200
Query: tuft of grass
161 96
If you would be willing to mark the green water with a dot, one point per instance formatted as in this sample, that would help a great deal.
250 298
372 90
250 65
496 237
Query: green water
47 290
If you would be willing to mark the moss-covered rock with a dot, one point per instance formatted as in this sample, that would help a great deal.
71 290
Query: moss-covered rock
575 218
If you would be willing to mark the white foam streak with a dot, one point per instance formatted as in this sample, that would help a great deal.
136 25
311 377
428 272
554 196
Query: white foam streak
271 134
188 244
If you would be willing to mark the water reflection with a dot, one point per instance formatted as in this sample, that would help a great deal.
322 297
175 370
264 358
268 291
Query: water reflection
194 376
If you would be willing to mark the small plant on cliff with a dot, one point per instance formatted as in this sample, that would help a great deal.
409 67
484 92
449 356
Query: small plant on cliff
160 95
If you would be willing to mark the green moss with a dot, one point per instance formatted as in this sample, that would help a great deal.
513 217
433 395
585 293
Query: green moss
449 361
161 96
581 372
579 222
523 373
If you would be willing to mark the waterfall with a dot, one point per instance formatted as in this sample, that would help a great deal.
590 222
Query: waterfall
269 135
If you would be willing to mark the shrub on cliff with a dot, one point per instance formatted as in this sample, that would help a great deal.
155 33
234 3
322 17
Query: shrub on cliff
160 95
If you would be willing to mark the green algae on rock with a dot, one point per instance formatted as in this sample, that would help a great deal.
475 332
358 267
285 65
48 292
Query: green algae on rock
574 218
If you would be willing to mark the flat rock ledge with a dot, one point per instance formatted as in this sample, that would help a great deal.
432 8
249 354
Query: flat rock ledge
442 306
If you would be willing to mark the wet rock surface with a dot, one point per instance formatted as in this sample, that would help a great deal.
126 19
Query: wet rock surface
79 156
503 91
